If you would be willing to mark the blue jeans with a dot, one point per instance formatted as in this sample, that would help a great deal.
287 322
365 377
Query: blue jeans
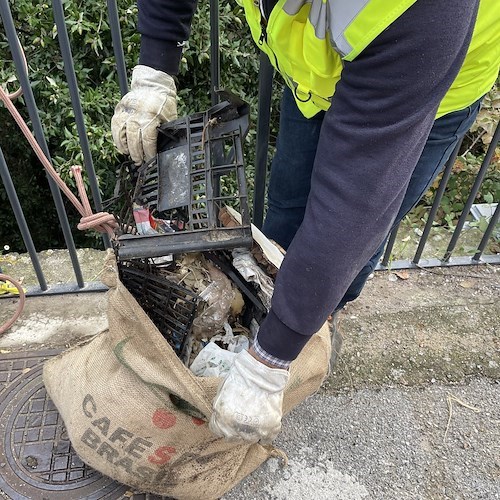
291 169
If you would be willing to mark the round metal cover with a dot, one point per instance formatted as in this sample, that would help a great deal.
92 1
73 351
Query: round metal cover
37 460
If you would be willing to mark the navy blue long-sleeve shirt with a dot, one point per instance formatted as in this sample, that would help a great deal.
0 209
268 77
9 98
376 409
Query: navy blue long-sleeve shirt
164 26
371 139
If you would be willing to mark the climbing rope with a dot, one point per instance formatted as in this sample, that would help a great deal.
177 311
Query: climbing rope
102 222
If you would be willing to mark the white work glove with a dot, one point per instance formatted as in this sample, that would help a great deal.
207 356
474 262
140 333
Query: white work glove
248 402
152 100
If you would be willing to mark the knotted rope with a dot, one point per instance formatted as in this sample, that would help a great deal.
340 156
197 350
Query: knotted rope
102 222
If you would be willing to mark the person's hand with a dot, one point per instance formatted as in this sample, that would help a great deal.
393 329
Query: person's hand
248 402
152 100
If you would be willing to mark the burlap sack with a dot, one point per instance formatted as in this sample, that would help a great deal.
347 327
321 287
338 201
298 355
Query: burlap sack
135 413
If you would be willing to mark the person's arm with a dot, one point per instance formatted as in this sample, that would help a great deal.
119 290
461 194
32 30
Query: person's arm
371 139
164 26
372 136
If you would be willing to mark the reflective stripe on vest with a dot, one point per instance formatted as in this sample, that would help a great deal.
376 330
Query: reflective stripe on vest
351 25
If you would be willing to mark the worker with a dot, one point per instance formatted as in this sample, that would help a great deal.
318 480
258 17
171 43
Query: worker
369 86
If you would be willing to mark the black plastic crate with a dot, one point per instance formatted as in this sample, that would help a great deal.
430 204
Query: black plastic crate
199 169
171 307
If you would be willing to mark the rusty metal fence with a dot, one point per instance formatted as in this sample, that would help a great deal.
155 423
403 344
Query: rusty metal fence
478 256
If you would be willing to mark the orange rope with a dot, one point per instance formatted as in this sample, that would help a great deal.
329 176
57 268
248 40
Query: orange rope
102 222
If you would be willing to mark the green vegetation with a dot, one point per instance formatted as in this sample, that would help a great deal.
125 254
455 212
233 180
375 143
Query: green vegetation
90 38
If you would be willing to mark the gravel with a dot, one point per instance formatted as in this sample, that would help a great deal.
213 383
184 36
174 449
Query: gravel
387 444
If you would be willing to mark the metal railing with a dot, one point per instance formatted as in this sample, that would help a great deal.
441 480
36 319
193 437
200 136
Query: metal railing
446 260
261 166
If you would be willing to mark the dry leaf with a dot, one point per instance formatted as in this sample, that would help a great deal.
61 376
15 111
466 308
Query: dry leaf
4 351
467 284
404 275
26 370
453 399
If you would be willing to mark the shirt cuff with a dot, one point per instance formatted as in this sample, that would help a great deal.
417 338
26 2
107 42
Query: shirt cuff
280 341
268 358
162 55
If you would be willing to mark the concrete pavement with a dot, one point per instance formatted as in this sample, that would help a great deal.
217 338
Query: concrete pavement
388 443
415 347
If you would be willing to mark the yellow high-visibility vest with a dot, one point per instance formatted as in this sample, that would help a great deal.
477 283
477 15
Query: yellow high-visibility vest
308 40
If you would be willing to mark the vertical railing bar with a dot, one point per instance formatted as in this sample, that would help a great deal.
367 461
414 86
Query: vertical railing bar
214 51
69 69
487 234
21 220
15 48
266 73
473 193
116 37
211 216
435 204
390 246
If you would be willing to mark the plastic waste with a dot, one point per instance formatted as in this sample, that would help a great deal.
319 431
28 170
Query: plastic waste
212 361
146 224
142 220
247 266
235 343
219 296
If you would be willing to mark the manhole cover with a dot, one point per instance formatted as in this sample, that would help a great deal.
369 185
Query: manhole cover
37 460
13 365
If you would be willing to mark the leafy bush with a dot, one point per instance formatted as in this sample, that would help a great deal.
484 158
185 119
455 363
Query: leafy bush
464 173
487 119
90 39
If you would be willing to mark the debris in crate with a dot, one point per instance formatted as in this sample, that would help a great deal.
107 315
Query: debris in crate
165 260
212 361
186 186
243 310
143 220
218 296
230 341
248 267
223 262
147 224
224 308
266 252
217 356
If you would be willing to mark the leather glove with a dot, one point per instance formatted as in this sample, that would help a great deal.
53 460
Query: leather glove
248 404
152 100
